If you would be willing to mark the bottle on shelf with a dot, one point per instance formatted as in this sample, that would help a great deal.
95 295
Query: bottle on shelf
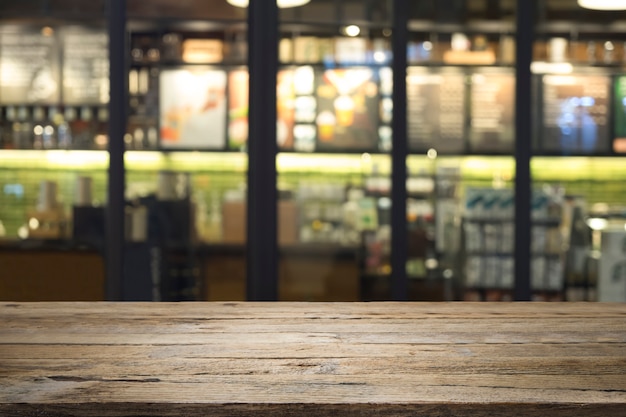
64 134
101 136
8 138
83 128
22 130
39 119
49 131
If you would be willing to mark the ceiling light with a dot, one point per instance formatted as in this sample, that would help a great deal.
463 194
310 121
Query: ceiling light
281 3
603 4
352 30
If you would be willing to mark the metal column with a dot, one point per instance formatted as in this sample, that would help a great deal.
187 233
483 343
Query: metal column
399 279
262 251
523 139
114 243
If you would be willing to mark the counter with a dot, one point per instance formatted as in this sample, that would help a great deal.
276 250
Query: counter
315 359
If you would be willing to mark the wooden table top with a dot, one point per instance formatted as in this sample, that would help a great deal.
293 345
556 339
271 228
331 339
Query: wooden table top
321 359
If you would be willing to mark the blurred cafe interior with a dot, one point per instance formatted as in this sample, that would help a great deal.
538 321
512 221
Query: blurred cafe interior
319 150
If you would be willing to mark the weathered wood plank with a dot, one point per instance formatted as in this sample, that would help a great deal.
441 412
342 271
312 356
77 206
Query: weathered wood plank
261 350
288 359
358 311
297 410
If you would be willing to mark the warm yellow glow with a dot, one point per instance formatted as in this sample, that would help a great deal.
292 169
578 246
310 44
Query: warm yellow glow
352 30
281 3
76 159
541 67
603 4
597 223
33 223
101 140
47 31
186 161
344 163
143 159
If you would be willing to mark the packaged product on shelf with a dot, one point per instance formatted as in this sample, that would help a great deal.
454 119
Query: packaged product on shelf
460 52
491 203
491 270
538 273
538 239
505 210
492 237
285 50
203 50
507 50
83 195
474 238
172 47
474 198
555 274
136 223
507 272
474 271
23 130
557 50
507 236
367 217
47 220
539 206
612 269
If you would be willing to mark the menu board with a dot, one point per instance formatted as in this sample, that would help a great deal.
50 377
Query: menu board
619 115
436 109
29 67
305 109
347 109
85 67
575 113
193 108
492 112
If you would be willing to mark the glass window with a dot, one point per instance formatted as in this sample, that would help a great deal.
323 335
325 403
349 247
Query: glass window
185 169
53 95
334 115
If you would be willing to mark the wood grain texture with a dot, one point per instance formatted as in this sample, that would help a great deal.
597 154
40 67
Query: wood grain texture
314 359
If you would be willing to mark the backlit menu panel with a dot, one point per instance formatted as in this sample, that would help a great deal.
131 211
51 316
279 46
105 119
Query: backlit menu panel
492 113
29 67
436 110
193 108
347 109
85 67
575 113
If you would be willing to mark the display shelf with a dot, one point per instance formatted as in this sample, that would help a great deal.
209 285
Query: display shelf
550 222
